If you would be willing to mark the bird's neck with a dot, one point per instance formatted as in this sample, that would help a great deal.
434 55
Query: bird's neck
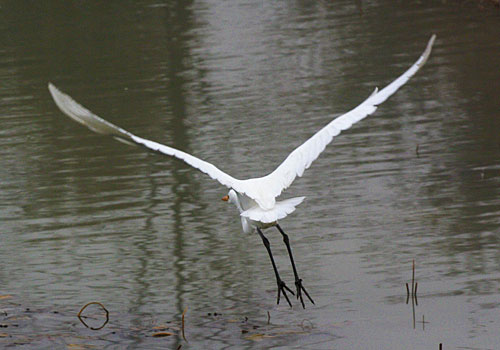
238 205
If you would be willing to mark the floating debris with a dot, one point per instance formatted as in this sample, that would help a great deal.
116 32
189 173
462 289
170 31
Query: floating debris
80 317
305 327
162 334
258 336
42 328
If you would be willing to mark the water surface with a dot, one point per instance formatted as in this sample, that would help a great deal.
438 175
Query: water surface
240 84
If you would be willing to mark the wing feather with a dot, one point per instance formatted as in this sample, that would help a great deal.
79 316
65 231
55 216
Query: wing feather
95 123
302 157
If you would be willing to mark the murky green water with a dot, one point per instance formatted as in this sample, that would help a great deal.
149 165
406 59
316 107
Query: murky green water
240 84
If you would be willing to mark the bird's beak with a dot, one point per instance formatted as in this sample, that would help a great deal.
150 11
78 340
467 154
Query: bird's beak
225 198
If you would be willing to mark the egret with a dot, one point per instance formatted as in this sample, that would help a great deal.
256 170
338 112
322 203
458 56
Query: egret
255 198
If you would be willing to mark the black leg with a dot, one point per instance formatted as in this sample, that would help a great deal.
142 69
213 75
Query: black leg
282 287
298 281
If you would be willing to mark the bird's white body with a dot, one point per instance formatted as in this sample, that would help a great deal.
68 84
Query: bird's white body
252 215
256 197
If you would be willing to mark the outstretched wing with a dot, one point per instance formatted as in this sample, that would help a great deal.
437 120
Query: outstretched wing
300 159
265 189
83 116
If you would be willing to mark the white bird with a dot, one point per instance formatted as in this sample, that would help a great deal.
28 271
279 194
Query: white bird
255 198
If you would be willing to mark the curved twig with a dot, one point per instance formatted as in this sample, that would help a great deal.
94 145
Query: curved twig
85 324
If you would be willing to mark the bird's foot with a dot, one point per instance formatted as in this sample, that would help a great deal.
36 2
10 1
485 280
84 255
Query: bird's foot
300 289
283 288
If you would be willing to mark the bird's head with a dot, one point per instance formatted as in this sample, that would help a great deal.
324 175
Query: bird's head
231 197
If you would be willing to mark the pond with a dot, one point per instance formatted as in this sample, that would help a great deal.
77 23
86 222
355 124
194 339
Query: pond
84 218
